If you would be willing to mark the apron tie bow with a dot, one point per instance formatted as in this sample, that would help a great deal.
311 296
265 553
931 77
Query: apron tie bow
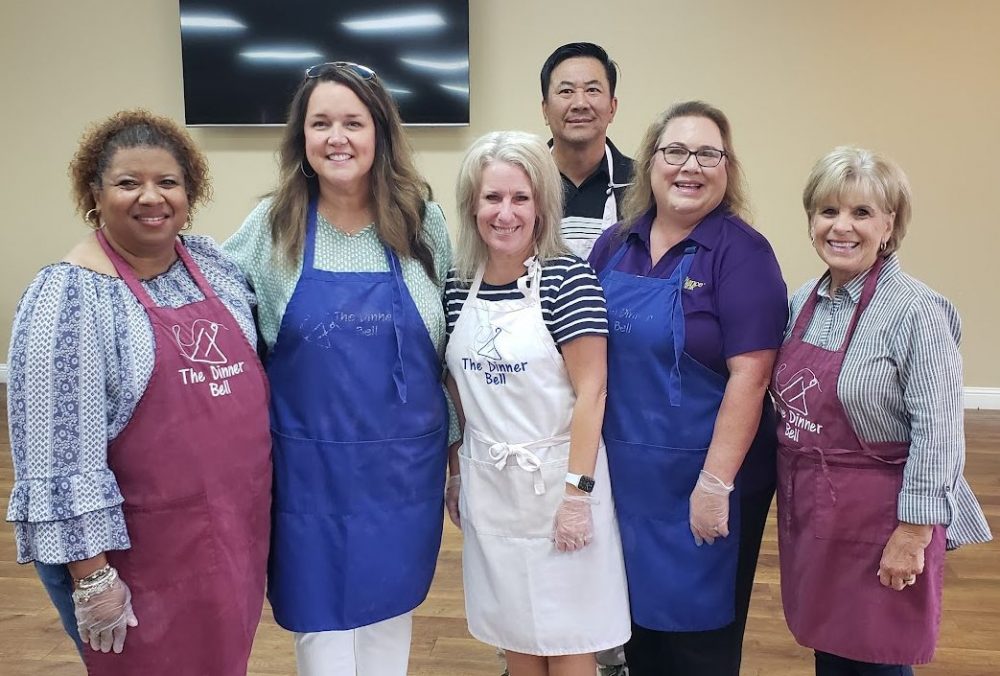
500 451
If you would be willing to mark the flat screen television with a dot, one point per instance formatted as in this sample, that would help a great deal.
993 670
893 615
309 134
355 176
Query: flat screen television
243 59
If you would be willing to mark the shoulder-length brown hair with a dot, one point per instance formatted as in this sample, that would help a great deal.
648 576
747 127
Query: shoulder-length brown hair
639 198
397 191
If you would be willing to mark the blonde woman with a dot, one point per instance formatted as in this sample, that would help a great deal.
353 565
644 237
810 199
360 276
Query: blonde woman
542 562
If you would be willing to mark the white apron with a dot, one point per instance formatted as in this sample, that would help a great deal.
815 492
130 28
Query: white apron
580 232
522 594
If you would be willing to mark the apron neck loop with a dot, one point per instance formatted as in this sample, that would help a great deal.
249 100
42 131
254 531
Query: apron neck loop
867 292
132 281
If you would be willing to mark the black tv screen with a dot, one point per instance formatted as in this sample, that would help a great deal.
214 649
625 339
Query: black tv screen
243 59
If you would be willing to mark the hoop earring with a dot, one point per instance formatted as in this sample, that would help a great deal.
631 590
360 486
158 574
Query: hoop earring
302 168
93 218
882 246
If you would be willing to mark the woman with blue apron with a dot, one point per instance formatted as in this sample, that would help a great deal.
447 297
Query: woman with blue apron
696 307
358 412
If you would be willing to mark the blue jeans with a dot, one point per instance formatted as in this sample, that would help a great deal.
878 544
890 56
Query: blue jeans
833 665
59 585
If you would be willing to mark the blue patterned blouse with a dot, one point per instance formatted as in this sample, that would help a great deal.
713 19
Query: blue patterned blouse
81 355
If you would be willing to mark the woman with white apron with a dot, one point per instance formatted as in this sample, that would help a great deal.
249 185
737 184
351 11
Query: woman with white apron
542 562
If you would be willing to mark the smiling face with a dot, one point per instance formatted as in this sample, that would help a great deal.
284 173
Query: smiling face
579 106
505 212
142 200
847 232
340 137
686 193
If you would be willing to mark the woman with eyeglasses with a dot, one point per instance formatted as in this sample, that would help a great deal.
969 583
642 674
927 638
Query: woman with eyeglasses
868 386
348 259
138 419
696 307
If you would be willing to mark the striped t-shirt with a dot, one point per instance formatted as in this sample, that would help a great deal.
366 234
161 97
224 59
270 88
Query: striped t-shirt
571 297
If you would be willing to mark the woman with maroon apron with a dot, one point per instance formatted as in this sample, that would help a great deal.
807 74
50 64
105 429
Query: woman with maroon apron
867 501
180 589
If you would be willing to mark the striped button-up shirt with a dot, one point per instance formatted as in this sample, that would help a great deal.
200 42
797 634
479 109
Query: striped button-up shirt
902 382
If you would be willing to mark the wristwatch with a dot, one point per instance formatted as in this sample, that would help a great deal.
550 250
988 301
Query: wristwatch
582 481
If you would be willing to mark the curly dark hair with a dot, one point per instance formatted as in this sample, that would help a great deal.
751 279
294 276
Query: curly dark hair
134 129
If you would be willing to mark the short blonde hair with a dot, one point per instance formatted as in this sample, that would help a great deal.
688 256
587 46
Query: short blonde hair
846 170
639 198
528 153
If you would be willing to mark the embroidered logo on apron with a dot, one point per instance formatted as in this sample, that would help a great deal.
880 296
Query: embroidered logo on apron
197 342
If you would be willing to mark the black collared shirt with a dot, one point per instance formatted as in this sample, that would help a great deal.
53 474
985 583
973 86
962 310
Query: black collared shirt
587 200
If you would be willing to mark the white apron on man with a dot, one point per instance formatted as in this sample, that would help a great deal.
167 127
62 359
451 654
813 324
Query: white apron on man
522 594
580 232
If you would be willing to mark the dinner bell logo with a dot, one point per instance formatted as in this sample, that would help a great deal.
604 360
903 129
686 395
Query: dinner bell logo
793 391
486 343
197 342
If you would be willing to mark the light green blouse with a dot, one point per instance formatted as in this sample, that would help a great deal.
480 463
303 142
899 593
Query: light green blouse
336 251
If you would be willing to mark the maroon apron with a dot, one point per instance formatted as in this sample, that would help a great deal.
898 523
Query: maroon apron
837 499
194 466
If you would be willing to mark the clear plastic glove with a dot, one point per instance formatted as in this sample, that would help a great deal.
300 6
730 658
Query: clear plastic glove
574 524
104 618
709 508
452 490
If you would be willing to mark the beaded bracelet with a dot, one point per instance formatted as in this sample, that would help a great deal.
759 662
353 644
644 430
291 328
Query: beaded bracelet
96 583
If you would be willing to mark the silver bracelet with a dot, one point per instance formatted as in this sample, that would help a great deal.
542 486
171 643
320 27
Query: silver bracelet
96 583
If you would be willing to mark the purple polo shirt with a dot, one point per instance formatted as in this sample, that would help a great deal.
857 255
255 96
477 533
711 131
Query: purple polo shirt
734 301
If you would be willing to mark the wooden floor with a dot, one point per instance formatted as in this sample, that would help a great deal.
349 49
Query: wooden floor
32 642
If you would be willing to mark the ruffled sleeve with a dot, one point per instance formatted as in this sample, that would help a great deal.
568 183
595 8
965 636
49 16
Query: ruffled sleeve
65 503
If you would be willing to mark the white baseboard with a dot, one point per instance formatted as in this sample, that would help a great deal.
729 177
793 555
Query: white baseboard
986 398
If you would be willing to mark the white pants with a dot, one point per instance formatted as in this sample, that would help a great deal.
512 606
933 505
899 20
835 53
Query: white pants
380 649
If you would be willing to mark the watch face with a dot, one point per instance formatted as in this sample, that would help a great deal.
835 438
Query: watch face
586 484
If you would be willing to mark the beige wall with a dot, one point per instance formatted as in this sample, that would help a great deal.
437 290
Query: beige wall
916 79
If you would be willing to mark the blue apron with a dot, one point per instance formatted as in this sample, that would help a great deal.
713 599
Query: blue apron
658 424
360 427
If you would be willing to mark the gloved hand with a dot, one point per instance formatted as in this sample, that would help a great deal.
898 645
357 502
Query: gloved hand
709 508
574 524
452 490
103 618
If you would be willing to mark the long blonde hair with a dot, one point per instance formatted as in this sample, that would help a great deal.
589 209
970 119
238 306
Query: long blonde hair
639 198
527 152
398 192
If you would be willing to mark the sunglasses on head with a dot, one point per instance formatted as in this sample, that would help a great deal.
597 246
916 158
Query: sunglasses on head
321 69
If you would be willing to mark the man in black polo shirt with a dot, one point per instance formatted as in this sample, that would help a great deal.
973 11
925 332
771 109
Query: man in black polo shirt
578 103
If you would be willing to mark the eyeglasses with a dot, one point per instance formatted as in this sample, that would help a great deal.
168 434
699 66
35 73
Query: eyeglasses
321 69
706 157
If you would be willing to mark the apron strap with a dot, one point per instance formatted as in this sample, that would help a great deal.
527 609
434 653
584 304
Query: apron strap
533 276
309 249
867 292
131 280
677 323
398 373
615 260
